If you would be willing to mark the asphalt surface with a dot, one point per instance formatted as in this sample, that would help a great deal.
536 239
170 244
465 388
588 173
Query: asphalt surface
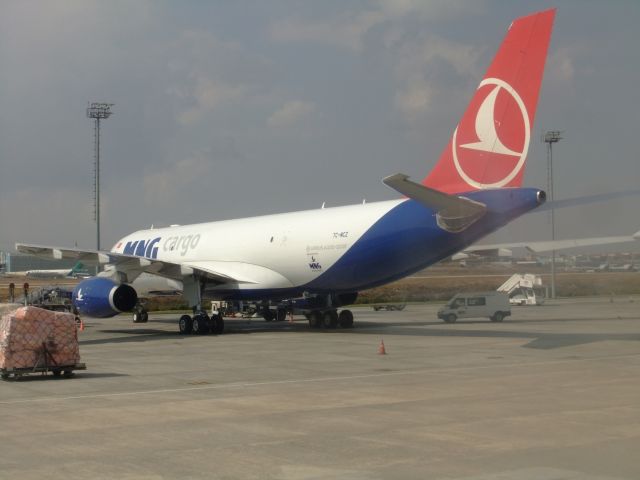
551 393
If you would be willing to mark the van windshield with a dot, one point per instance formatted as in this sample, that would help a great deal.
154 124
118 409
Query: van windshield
456 302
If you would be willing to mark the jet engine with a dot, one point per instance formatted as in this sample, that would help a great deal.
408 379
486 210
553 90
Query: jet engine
102 297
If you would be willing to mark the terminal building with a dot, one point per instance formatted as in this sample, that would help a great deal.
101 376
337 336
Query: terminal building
14 262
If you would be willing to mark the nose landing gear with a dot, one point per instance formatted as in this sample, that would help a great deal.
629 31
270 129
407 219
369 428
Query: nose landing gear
140 314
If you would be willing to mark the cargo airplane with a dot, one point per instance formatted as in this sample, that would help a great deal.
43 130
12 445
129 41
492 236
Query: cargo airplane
324 257
76 271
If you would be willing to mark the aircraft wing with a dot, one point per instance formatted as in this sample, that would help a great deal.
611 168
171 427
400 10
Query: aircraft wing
547 246
132 266
585 200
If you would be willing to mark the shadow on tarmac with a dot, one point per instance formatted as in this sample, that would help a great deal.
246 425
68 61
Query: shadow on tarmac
538 340
135 335
38 377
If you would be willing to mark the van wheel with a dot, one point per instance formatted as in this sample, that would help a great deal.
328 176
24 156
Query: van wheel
451 318
498 317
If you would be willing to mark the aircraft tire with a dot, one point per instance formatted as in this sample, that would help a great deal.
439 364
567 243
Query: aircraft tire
140 315
268 315
315 319
281 315
345 319
185 324
330 319
216 324
212 323
200 324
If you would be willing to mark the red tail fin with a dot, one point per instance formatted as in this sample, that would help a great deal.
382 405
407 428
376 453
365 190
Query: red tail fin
489 146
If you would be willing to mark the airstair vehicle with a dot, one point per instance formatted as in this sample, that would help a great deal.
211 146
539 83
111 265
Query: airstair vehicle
524 289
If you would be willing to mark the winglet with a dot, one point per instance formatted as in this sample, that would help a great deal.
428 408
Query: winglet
454 213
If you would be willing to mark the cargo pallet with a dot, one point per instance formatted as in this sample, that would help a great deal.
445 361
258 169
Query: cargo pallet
56 370
44 364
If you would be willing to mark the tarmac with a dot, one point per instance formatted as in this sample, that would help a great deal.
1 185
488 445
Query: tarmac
550 393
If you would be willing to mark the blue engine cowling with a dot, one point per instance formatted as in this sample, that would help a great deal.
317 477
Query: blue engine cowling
102 297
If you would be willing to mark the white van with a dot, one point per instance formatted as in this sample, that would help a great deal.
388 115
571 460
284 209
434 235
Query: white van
492 305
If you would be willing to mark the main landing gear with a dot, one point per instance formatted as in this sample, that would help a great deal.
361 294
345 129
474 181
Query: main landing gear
201 324
330 319
279 314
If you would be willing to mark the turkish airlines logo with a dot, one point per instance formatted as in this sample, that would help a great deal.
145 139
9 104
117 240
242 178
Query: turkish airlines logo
490 151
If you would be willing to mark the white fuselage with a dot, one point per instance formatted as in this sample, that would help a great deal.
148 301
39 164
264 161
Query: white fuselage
48 273
268 252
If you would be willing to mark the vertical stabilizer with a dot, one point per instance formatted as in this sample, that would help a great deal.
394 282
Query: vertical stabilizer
488 148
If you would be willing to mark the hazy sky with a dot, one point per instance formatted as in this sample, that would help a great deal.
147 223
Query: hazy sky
239 108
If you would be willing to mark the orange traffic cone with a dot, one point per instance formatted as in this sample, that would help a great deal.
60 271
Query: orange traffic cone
81 325
290 317
381 349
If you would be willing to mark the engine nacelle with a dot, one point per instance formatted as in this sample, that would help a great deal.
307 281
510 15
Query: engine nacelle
102 297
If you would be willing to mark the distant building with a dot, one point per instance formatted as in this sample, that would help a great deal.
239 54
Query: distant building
13 262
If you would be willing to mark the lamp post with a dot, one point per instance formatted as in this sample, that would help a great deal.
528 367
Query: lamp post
97 111
551 137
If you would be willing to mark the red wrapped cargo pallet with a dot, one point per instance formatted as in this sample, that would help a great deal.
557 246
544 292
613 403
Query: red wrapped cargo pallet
32 337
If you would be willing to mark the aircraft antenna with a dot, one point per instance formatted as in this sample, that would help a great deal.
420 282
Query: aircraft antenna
550 137
97 111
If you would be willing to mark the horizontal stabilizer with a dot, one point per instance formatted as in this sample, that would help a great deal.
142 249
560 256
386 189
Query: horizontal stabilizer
454 213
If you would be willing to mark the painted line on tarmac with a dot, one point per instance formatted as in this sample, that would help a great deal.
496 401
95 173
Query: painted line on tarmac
430 371
210 387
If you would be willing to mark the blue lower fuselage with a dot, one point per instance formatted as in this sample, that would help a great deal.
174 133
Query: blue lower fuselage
403 241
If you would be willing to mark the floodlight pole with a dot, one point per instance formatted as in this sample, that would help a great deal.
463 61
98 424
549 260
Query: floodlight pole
551 137
97 111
